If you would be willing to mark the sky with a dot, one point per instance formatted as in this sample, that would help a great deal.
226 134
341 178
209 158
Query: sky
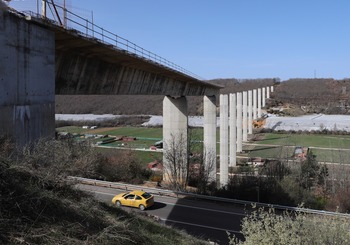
241 39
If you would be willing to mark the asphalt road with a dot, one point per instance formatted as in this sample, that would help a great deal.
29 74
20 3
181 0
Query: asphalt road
204 219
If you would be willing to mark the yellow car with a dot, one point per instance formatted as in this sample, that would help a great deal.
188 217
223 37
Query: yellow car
137 199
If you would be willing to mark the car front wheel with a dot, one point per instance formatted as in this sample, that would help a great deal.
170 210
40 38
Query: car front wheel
142 207
118 204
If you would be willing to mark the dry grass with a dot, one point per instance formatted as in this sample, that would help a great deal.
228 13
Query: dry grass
39 206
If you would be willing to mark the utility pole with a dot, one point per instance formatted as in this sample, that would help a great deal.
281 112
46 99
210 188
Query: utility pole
43 8
64 14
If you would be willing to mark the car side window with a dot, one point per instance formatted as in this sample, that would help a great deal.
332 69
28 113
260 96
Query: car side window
130 197
138 198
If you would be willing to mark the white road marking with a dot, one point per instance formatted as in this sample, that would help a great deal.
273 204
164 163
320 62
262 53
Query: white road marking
202 226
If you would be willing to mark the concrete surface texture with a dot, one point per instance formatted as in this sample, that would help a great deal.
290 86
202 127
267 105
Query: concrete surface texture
259 103
175 127
245 116
239 122
250 112
209 135
233 129
224 139
27 80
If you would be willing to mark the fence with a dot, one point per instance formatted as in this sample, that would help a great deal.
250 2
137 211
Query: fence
87 28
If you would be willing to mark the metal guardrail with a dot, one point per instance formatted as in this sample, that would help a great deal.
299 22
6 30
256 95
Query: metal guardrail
164 192
88 29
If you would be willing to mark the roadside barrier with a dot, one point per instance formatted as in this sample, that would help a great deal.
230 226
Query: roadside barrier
178 194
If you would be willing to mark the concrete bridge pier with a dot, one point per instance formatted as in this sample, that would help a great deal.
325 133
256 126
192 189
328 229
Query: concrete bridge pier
267 92
233 130
255 104
175 131
259 102
209 153
239 122
245 117
263 97
250 112
224 136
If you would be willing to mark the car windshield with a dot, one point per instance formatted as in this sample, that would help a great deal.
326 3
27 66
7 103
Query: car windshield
146 195
125 194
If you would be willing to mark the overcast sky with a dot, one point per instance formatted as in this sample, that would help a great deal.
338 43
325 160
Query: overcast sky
231 38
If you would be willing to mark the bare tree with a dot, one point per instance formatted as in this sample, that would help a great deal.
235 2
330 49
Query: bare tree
175 161
206 171
202 162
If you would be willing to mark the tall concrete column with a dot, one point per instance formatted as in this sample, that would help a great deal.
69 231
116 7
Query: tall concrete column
255 104
224 136
175 132
245 117
259 102
209 153
271 89
267 92
263 97
233 130
250 112
239 122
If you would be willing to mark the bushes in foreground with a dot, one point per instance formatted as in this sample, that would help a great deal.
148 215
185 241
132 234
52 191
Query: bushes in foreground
268 227
39 205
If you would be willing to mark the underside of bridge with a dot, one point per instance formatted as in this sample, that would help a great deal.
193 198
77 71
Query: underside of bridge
88 66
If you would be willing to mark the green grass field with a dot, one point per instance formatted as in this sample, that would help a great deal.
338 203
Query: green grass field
327 148
324 141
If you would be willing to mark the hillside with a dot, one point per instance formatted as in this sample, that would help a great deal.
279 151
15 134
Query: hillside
40 206
326 96
141 104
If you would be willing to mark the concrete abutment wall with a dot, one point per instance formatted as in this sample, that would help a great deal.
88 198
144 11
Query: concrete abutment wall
27 80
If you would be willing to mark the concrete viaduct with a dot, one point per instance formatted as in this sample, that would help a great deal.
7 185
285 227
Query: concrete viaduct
39 59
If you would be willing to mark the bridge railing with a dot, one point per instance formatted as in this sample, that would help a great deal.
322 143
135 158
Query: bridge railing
88 29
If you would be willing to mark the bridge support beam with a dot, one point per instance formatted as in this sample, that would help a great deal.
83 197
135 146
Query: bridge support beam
239 122
263 97
245 116
255 104
209 153
233 130
259 102
224 136
250 112
175 145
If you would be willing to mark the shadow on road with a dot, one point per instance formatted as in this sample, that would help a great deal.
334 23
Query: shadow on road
157 205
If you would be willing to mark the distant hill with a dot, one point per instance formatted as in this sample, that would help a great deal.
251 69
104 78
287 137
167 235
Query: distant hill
327 96
143 104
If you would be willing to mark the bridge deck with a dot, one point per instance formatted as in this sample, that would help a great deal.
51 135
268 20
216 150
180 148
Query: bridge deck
87 65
